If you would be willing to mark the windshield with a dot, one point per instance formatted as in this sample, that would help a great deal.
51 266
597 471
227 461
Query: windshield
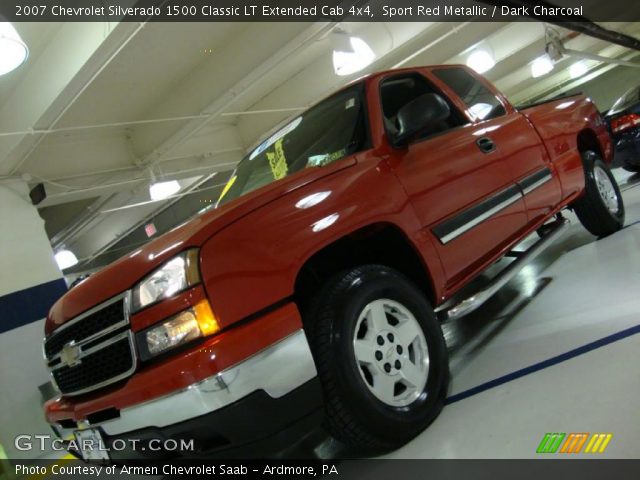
331 130
627 100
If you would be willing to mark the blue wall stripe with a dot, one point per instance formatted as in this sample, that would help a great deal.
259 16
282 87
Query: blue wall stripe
29 305
544 364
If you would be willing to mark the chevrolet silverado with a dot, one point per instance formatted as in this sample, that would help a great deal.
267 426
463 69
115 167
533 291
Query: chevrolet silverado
313 293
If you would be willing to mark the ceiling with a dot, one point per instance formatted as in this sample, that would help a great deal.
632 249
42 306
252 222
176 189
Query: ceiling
97 105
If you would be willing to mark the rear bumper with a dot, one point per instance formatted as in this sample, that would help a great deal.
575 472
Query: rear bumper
256 398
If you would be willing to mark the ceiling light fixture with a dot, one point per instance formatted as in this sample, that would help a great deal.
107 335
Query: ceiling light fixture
65 259
578 69
541 66
162 190
353 57
481 61
13 51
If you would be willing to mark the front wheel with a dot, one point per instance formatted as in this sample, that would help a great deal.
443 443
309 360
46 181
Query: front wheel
381 357
600 209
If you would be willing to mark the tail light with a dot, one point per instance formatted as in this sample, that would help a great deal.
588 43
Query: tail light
625 122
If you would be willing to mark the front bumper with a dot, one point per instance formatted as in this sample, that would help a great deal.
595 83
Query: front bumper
258 397
256 426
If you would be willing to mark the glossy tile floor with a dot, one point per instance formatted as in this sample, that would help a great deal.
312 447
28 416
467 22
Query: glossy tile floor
580 291
556 350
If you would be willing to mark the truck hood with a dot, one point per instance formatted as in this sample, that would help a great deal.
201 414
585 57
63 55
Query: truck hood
124 273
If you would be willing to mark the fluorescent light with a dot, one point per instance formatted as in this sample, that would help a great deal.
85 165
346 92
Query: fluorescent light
65 259
541 66
162 190
341 41
481 61
348 62
578 69
13 51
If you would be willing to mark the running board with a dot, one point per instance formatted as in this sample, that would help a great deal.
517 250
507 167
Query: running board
468 305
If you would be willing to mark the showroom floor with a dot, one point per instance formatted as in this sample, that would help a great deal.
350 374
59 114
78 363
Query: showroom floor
554 351
518 369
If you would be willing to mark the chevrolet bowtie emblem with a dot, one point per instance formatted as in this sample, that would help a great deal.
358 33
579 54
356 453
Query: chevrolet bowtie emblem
70 354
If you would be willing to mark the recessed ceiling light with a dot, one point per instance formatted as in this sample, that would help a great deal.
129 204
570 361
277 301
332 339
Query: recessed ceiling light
481 61
357 58
578 69
13 51
541 66
162 190
65 259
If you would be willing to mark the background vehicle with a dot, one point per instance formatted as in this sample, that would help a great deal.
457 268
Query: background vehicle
316 287
624 121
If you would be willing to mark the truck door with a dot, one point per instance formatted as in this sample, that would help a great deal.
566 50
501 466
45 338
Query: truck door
512 135
461 187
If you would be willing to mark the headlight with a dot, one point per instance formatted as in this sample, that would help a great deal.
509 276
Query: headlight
198 321
174 276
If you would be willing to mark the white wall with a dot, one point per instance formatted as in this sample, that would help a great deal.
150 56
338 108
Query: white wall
607 88
26 261
21 373
26 257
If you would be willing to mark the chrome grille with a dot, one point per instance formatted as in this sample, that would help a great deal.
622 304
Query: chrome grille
94 349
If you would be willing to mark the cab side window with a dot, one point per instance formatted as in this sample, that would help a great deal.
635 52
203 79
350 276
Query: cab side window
480 101
399 90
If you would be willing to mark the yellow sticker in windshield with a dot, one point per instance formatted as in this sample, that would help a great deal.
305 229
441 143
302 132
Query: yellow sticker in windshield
277 161
227 187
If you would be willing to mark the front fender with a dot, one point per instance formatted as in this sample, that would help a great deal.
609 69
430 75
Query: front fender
253 263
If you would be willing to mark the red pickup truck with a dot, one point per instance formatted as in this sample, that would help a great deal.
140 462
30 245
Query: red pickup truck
314 291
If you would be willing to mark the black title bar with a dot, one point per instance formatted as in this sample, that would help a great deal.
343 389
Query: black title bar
318 10
537 469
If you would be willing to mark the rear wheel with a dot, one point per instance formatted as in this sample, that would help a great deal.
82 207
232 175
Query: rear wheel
600 209
381 357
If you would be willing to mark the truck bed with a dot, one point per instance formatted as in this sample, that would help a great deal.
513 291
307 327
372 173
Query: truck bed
563 124
550 100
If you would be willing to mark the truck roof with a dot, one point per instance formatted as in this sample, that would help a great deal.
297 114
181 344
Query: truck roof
400 70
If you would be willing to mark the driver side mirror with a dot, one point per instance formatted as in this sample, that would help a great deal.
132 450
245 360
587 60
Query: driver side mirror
418 115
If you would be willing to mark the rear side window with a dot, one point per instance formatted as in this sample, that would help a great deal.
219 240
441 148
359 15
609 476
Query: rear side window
480 101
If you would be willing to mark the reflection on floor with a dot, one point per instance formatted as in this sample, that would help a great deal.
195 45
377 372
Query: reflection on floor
579 291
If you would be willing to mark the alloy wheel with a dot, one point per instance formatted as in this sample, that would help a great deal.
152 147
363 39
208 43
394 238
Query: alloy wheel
606 189
391 352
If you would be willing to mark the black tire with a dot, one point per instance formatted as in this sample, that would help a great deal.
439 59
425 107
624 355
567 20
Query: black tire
353 414
591 208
